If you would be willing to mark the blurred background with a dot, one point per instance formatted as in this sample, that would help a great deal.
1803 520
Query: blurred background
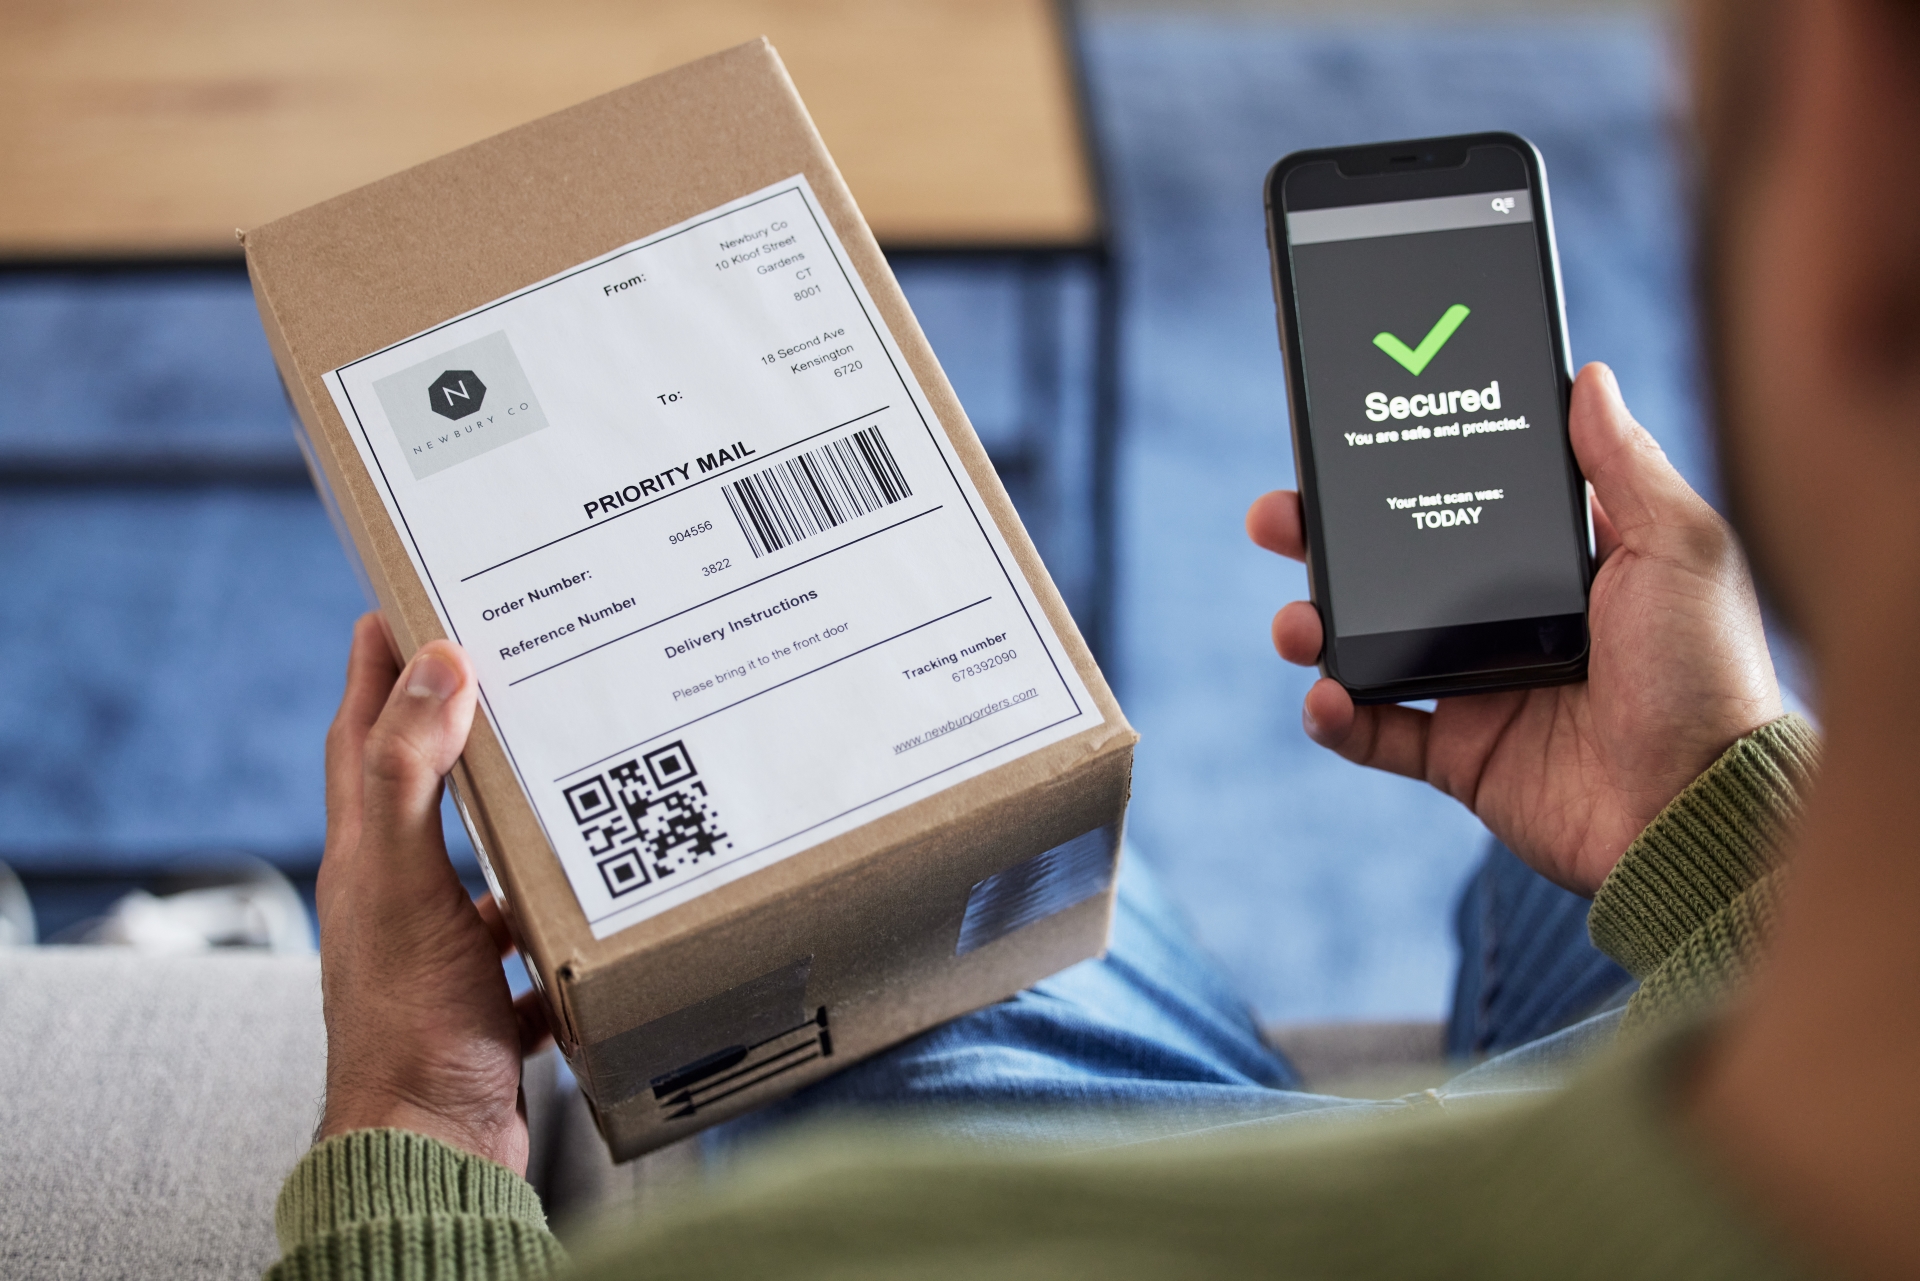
1071 198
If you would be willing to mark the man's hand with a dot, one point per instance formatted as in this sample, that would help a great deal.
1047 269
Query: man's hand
422 1032
1567 776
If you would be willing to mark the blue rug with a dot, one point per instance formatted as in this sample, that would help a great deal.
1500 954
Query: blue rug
174 655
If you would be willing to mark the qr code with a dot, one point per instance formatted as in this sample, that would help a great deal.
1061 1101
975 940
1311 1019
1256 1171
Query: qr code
646 819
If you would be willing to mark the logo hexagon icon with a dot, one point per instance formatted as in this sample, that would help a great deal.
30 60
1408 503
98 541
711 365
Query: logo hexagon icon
457 393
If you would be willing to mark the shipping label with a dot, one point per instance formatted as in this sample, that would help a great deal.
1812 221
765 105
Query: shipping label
728 588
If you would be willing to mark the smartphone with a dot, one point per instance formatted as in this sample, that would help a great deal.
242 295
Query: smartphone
1449 536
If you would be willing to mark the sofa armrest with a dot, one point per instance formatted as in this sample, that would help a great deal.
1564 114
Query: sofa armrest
150 1107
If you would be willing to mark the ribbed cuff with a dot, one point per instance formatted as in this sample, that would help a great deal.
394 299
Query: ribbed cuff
395 1174
1714 840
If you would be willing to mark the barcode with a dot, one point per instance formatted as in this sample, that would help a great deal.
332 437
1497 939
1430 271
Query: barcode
816 491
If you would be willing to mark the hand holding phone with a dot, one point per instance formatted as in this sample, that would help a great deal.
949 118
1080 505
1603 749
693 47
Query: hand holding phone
1567 775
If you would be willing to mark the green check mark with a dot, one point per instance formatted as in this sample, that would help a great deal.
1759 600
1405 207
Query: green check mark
1416 359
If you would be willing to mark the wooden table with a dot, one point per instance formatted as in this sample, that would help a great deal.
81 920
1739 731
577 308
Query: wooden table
136 128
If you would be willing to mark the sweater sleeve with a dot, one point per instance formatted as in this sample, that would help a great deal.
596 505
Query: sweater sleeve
389 1204
1689 903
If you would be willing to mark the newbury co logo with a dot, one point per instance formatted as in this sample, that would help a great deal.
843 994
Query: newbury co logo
457 393
460 404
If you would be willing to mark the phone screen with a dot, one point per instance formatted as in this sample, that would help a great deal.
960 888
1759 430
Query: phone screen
1434 395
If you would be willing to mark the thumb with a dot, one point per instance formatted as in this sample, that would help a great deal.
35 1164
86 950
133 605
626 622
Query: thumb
1636 485
419 735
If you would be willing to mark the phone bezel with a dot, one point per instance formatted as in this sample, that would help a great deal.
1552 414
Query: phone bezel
1474 679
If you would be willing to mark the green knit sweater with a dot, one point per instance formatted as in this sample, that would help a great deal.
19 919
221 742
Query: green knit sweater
1596 1180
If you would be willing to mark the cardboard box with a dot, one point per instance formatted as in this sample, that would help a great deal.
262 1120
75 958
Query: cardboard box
766 958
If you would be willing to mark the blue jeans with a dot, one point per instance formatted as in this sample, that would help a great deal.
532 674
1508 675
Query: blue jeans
1527 968
1153 1036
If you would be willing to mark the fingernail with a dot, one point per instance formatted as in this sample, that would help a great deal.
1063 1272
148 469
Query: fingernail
1613 384
1312 725
432 677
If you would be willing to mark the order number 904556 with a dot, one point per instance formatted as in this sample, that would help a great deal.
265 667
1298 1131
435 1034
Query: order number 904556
691 531
710 570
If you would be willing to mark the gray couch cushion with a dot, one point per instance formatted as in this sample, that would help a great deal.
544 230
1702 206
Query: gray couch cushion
149 1108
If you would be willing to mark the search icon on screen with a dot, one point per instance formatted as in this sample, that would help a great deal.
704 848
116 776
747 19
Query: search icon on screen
1503 204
